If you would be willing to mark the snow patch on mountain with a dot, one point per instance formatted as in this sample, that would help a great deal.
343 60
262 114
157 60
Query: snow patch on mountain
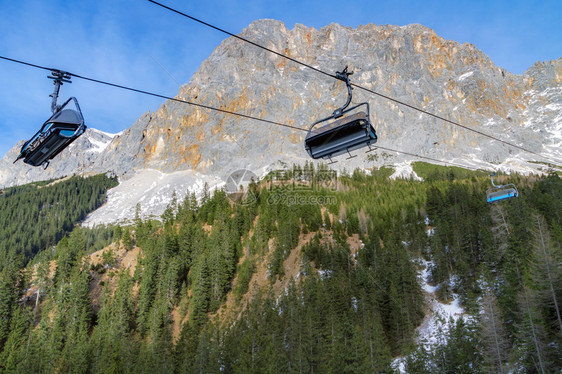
99 140
404 170
109 134
98 145
152 190
465 75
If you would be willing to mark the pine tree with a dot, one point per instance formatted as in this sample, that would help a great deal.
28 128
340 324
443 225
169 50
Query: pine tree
127 239
459 353
10 278
530 333
493 336
185 351
548 273
16 343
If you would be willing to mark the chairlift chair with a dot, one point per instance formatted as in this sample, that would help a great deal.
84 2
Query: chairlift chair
346 133
63 127
501 192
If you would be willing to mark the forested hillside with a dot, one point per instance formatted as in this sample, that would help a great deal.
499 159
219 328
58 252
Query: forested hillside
37 215
306 274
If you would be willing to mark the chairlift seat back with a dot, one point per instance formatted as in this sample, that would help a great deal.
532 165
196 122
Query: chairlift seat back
501 194
343 135
65 126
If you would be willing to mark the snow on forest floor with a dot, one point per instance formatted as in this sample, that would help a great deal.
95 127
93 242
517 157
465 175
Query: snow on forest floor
438 318
436 322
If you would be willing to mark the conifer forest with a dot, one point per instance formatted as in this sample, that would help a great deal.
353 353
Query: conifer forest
298 275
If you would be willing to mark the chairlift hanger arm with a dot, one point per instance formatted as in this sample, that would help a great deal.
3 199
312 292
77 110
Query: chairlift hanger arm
493 184
344 76
59 77
492 176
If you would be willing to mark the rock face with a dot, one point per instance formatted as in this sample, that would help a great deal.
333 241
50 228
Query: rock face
410 63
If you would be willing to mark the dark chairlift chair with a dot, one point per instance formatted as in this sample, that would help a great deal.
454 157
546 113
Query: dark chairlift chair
501 192
61 129
346 133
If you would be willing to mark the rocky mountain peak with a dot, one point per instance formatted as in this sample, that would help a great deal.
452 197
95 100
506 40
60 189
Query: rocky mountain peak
409 63
545 74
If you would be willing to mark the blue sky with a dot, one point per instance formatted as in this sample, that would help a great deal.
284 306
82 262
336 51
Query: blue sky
135 43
